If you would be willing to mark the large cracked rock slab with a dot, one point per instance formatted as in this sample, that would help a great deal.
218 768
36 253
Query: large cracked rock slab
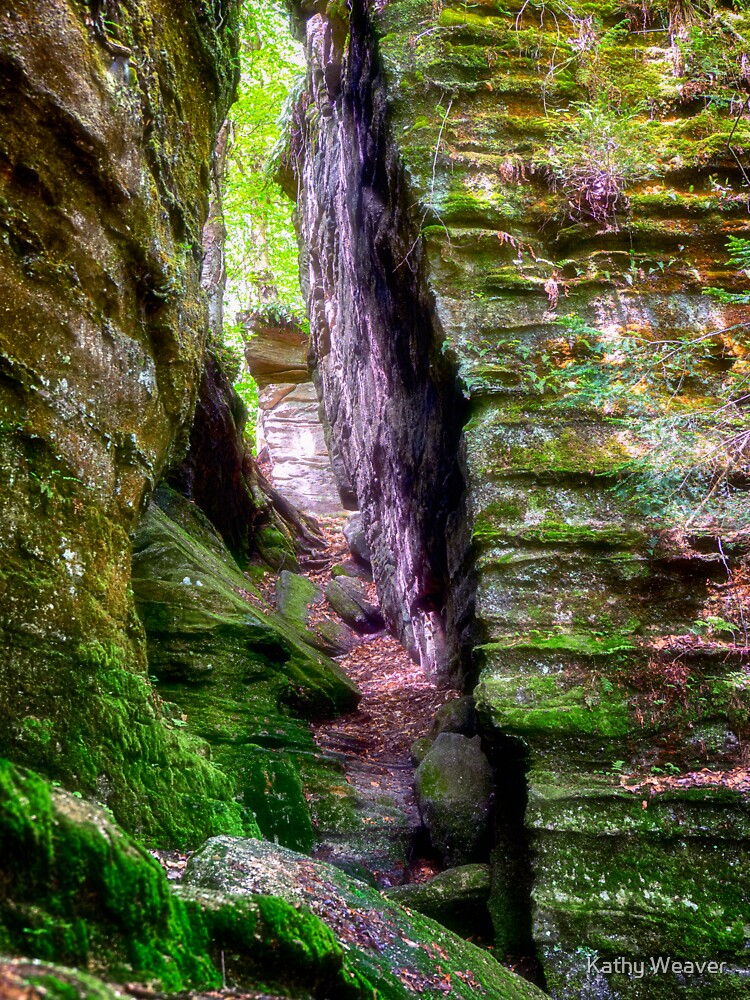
290 429
238 679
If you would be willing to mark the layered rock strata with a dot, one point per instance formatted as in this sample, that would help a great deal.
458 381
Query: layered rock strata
289 428
541 197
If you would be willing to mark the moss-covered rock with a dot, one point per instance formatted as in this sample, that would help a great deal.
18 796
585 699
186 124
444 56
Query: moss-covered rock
33 980
264 941
79 891
295 596
456 898
562 199
75 889
240 678
454 786
348 599
397 953
106 150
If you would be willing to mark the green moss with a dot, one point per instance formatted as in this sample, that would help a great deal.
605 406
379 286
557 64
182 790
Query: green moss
272 787
243 677
268 942
386 946
53 981
129 372
79 891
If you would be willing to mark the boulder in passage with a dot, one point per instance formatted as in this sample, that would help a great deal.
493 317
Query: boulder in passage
456 898
455 790
295 596
349 601
354 533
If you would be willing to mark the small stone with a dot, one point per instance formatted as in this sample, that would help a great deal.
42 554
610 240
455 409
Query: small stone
354 533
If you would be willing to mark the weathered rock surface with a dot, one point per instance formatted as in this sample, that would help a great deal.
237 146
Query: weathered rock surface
76 890
354 569
348 599
289 428
356 539
276 352
79 891
386 386
454 786
397 954
296 595
29 980
456 716
432 146
456 898
290 431
242 678
108 132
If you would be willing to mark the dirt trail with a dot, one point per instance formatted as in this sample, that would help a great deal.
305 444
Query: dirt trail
397 707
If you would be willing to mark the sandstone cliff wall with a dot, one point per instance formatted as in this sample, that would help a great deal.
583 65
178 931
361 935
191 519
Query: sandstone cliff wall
531 195
108 132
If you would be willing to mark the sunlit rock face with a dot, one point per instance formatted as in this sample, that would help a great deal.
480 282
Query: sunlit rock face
289 431
541 200
108 132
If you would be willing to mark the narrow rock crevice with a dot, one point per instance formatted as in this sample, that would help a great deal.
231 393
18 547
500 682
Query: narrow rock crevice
390 395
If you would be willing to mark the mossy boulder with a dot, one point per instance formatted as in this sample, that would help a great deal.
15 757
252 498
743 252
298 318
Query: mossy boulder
354 569
456 716
356 538
295 596
34 980
78 891
264 941
454 786
240 677
348 599
397 953
456 898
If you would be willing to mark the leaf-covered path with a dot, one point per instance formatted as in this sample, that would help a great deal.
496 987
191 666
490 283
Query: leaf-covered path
398 706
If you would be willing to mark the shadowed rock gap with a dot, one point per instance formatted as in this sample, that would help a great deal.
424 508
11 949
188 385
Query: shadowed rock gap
397 428
391 395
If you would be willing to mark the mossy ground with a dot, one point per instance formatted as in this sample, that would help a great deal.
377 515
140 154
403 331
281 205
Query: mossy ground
78 891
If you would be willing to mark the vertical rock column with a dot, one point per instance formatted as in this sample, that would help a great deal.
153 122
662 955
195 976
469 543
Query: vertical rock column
108 131
388 392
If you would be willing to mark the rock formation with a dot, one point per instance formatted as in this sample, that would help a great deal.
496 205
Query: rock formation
500 208
290 431
109 126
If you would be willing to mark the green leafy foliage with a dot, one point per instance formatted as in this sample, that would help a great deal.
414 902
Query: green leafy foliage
596 152
686 397
739 251
261 246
